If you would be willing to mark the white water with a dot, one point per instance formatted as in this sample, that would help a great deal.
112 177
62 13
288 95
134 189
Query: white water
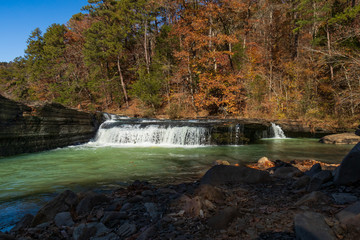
277 132
152 135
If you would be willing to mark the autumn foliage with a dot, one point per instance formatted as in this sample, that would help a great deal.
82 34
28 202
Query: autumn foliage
229 58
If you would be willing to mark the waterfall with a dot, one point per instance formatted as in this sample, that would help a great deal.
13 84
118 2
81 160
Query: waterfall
277 132
151 134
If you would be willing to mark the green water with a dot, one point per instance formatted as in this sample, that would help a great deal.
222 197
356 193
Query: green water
28 180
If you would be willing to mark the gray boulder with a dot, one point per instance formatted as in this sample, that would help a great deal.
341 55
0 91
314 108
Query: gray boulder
62 203
89 230
287 172
312 226
64 219
349 170
223 174
89 201
341 138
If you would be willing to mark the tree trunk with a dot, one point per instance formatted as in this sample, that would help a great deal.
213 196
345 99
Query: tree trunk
146 50
329 51
122 82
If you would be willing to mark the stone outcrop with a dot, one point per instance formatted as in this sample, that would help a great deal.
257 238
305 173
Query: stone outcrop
297 129
26 129
349 169
341 138
223 174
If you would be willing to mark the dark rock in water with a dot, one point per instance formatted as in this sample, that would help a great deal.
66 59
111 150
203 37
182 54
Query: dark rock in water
223 218
341 138
222 174
64 219
90 201
311 225
24 223
343 198
314 170
61 203
349 169
30 129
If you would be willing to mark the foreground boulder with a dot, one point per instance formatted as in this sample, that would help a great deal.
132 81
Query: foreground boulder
222 174
64 202
341 138
349 169
311 225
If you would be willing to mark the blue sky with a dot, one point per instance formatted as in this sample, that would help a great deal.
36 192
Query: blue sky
19 17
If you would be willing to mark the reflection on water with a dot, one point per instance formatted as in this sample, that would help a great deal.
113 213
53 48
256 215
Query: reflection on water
26 181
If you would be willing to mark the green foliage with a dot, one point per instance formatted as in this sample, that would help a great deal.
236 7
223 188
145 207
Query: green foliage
148 88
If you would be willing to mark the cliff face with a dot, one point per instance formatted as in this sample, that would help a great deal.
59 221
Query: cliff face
26 129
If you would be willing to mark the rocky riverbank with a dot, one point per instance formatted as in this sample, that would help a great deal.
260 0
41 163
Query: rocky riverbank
41 127
264 200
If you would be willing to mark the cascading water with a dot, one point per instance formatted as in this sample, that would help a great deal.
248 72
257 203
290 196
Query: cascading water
151 134
277 132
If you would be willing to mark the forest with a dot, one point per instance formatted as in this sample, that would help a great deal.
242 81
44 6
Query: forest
274 59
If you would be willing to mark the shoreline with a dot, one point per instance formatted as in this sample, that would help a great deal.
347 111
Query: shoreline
266 208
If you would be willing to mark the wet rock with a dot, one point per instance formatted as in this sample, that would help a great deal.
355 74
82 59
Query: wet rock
311 225
265 163
302 182
209 192
111 219
350 213
223 218
222 174
341 138
287 172
314 170
24 223
348 171
89 201
62 203
343 198
313 198
89 230
152 210
126 230
64 219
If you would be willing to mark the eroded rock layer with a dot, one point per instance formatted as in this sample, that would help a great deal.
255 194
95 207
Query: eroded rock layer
26 129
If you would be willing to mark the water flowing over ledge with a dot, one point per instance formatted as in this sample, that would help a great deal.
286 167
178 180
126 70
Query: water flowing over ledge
190 133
